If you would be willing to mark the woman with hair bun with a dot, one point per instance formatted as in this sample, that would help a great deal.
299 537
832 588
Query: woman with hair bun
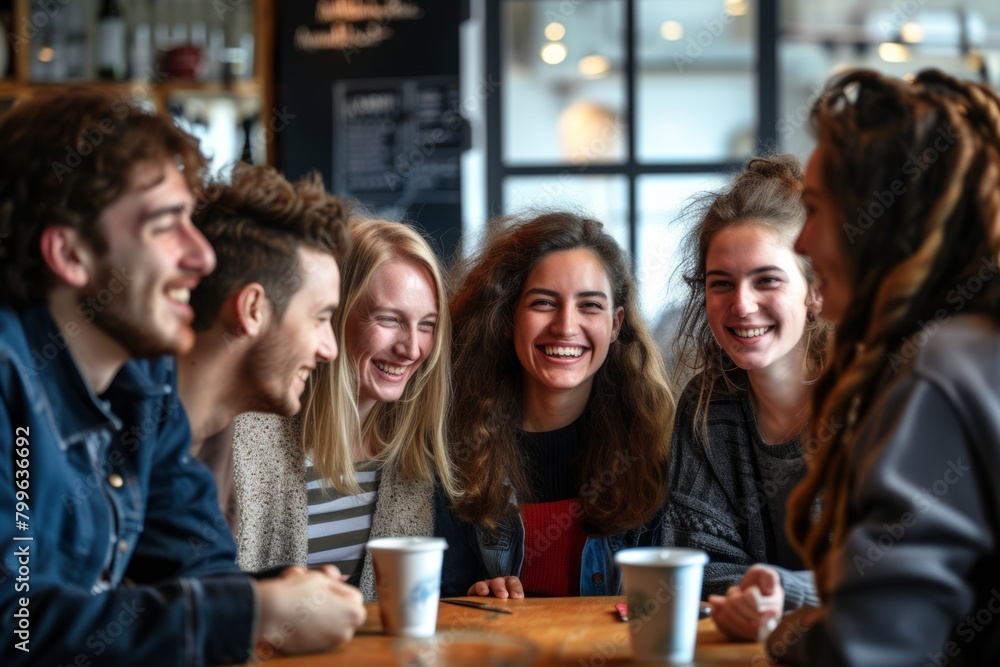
907 413
750 333
560 426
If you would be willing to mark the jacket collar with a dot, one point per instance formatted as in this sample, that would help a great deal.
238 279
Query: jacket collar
77 412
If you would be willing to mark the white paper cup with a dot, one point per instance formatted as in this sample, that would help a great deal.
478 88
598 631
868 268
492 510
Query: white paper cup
408 582
663 587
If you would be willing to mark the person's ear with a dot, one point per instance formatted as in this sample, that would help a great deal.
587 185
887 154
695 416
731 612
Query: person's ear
616 325
67 254
814 301
252 309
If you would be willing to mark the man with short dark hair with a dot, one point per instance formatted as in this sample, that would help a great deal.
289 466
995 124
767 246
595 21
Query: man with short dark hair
115 551
263 316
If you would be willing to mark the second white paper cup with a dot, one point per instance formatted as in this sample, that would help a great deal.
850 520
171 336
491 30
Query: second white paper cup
408 582
663 587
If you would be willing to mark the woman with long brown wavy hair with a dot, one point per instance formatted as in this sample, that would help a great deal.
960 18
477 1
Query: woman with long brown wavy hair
903 228
560 425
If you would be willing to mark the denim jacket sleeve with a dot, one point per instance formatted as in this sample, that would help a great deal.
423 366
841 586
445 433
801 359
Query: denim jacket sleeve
187 540
178 605
474 554
599 575
463 565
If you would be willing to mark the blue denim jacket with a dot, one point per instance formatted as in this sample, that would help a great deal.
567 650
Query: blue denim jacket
125 557
474 554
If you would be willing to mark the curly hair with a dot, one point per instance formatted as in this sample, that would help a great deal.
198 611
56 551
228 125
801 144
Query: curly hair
408 434
768 192
256 223
67 156
872 131
631 407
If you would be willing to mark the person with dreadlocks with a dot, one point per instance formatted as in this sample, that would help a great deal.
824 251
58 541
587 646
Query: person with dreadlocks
903 229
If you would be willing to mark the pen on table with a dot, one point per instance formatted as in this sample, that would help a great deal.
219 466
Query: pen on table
477 605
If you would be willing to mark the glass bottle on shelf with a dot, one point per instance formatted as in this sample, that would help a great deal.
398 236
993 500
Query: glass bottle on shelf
142 56
161 27
112 59
79 63
215 51
241 35
179 15
47 52
59 50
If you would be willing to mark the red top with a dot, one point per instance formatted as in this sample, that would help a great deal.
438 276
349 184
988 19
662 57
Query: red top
553 548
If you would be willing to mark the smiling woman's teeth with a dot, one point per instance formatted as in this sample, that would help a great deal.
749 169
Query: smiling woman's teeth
179 294
391 370
751 333
554 351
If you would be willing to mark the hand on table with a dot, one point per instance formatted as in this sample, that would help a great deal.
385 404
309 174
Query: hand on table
501 588
746 608
304 611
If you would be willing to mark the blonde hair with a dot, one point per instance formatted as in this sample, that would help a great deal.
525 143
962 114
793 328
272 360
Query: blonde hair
409 434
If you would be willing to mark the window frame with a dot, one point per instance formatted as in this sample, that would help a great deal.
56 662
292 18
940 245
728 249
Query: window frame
497 170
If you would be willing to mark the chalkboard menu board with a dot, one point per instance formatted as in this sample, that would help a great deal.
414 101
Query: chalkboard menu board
398 142
338 100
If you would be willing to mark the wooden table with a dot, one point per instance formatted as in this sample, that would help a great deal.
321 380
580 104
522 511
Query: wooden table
577 632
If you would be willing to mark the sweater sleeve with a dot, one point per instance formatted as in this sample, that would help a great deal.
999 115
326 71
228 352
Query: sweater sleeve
269 478
698 513
463 564
800 588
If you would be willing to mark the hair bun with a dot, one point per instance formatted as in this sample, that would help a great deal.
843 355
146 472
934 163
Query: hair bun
778 165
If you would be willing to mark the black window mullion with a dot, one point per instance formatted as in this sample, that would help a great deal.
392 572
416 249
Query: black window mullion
767 74
498 170
495 168
632 165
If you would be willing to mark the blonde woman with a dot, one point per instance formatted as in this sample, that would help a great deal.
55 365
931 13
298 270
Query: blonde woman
362 459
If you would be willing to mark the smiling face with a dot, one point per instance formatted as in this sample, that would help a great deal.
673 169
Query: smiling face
755 298
564 322
822 239
390 332
140 287
291 348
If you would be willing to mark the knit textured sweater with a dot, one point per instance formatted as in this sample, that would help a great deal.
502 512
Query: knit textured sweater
722 500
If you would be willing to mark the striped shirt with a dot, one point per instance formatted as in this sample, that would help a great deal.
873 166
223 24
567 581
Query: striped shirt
339 525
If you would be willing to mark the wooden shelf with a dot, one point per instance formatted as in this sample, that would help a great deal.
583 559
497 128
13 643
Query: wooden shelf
165 89
261 86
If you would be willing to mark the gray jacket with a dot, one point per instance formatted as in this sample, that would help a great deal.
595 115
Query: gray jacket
918 578
269 470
